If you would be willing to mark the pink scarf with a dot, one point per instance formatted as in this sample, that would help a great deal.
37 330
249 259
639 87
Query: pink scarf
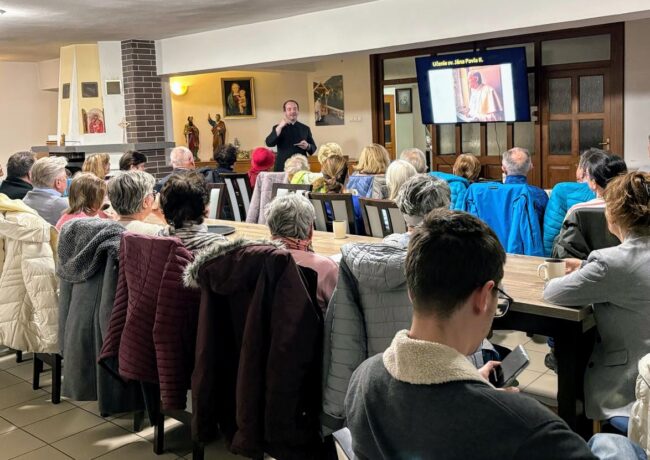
294 243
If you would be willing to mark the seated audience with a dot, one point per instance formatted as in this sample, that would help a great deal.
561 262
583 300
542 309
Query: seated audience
225 156
86 197
133 199
133 160
291 221
397 173
416 198
466 171
416 157
617 282
516 164
467 166
297 169
98 163
184 199
369 180
18 181
327 150
262 159
566 194
571 241
182 160
454 266
49 180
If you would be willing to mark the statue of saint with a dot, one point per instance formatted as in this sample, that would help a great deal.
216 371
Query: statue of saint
192 137
218 131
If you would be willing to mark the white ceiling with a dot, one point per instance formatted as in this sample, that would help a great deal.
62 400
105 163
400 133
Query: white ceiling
34 30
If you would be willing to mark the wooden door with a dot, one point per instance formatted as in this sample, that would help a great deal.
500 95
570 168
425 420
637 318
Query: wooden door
389 124
576 115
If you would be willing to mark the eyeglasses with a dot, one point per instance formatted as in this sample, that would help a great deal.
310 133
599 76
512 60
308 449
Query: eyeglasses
503 303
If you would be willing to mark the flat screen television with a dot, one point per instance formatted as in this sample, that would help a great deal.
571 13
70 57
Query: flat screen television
482 86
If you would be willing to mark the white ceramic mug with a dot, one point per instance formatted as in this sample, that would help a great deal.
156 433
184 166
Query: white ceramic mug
340 228
551 268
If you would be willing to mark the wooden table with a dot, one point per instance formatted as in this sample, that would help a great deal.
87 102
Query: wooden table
572 328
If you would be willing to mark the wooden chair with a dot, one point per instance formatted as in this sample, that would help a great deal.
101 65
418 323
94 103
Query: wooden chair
55 362
239 192
217 191
381 217
283 189
334 206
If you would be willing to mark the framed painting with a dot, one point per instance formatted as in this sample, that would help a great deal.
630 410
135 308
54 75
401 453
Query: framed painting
89 89
329 108
404 100
238 96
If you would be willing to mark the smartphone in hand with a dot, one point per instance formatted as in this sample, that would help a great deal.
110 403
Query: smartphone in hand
513 365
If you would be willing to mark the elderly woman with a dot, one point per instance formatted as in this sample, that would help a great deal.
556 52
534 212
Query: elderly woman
297 169
416 198
416 157
133 160
467 166
184 199
133 199
225 156
328 149
50 181
397 173
87 194
291 221
99 164
616 281
369 180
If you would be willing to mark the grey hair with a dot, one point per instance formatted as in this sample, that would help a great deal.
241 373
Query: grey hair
290 216
295 163
398 172
516 168
416 157
180 156
20 164
420 195
46 170
127 191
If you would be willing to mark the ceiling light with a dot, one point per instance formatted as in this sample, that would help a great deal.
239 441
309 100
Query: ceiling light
178 88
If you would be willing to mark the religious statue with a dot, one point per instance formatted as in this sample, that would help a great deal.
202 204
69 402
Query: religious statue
218 131
192 137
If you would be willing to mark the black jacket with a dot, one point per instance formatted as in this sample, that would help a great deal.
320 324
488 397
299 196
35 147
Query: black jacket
290 135
15 188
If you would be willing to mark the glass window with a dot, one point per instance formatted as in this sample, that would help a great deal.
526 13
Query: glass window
592 96
446 139
524 135
530 51
591 134
471 138
559 91
560 137
579 49
497 138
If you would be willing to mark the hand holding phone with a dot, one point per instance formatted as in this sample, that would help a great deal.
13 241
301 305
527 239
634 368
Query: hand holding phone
514 364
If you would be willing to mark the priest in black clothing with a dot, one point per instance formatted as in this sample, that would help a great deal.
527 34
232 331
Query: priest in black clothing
290 136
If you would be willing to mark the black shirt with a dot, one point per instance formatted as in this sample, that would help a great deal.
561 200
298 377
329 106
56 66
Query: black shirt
290 134
15 188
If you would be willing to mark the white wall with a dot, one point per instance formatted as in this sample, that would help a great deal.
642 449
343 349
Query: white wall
27 113
637 93
48 74
378 25
110 68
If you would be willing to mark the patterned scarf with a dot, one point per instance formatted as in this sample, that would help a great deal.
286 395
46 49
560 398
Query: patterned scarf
294 243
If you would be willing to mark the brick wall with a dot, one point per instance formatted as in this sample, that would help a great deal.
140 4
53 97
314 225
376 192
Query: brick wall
143 101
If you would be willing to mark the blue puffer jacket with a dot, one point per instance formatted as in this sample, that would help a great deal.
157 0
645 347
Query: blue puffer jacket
458 185
563 196
509 210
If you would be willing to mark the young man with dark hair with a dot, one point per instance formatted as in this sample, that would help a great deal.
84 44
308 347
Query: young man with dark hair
422 398
18 181
290 136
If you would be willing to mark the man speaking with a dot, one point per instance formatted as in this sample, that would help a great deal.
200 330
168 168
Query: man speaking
290 136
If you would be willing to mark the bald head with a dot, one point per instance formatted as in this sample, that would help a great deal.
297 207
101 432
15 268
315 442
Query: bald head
516 162
181 158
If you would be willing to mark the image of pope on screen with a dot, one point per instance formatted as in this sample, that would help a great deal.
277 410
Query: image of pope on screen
472 94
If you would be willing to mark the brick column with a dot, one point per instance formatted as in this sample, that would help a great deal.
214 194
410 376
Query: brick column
143 101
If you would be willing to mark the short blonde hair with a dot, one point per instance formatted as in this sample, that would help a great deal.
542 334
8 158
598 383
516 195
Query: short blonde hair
295 163
96 163
467 166
46 170
374 159
86 193
327 150
397 173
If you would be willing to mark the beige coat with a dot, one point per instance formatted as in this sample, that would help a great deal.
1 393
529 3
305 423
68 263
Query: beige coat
639 428
29 301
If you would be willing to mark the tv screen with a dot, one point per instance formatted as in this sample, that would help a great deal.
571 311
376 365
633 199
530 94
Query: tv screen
483 86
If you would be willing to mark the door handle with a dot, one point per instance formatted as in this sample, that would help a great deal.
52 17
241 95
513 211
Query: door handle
604 143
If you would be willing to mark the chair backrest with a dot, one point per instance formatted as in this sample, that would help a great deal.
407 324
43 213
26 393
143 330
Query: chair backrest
381 217
283 189
216 200
238 190
334 206
593 226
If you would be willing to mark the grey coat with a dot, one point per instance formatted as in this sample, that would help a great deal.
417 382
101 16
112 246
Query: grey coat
369 305
48 206
88 268
617 281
